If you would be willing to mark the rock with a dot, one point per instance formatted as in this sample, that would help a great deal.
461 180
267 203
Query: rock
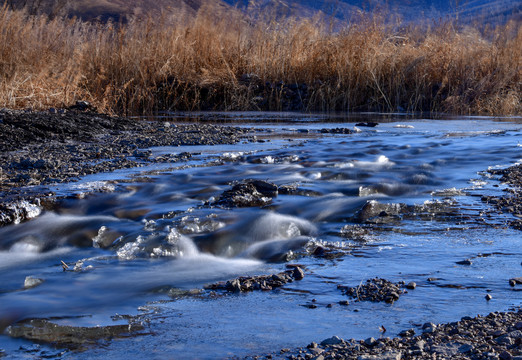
374 209
509 338
389 355
344 302
234 286
31 282
298 273
370 342
248 193
428 327
411 285
517 280
367 124
488 297
316 351
504 355
449 350
419 345
407 333
466 262
334 340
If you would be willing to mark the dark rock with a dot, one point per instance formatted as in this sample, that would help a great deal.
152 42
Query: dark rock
504 355
464 262
248 193
298 273
82 106
411 285
367 124
517 280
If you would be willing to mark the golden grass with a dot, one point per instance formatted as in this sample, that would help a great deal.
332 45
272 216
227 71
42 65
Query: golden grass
229 61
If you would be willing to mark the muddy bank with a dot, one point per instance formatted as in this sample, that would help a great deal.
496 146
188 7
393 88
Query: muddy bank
56 146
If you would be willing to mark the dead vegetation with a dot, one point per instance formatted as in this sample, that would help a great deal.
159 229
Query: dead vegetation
231 61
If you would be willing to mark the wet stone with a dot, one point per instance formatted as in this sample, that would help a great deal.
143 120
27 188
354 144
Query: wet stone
248 193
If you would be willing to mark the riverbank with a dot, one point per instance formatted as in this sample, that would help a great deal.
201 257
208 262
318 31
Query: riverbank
44 148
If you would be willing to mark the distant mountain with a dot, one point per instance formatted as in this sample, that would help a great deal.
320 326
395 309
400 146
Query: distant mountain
489 11
117 10
409 10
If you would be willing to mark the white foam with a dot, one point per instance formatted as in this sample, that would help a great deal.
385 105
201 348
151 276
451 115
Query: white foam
232 155
22 253
277 226
380 162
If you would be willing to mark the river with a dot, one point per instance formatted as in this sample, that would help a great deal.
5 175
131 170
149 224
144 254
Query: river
143 248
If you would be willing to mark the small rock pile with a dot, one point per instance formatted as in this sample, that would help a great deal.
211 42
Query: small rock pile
376 290
262 282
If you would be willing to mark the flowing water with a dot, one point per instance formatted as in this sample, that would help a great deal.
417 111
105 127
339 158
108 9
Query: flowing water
146 248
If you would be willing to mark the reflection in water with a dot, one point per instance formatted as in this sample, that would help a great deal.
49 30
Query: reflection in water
394 201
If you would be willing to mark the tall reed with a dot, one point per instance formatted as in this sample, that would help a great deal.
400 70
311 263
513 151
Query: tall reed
230 61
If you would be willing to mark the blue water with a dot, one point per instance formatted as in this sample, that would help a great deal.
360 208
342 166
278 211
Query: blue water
152 236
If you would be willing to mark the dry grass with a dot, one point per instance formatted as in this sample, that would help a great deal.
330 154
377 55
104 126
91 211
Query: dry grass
228 61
